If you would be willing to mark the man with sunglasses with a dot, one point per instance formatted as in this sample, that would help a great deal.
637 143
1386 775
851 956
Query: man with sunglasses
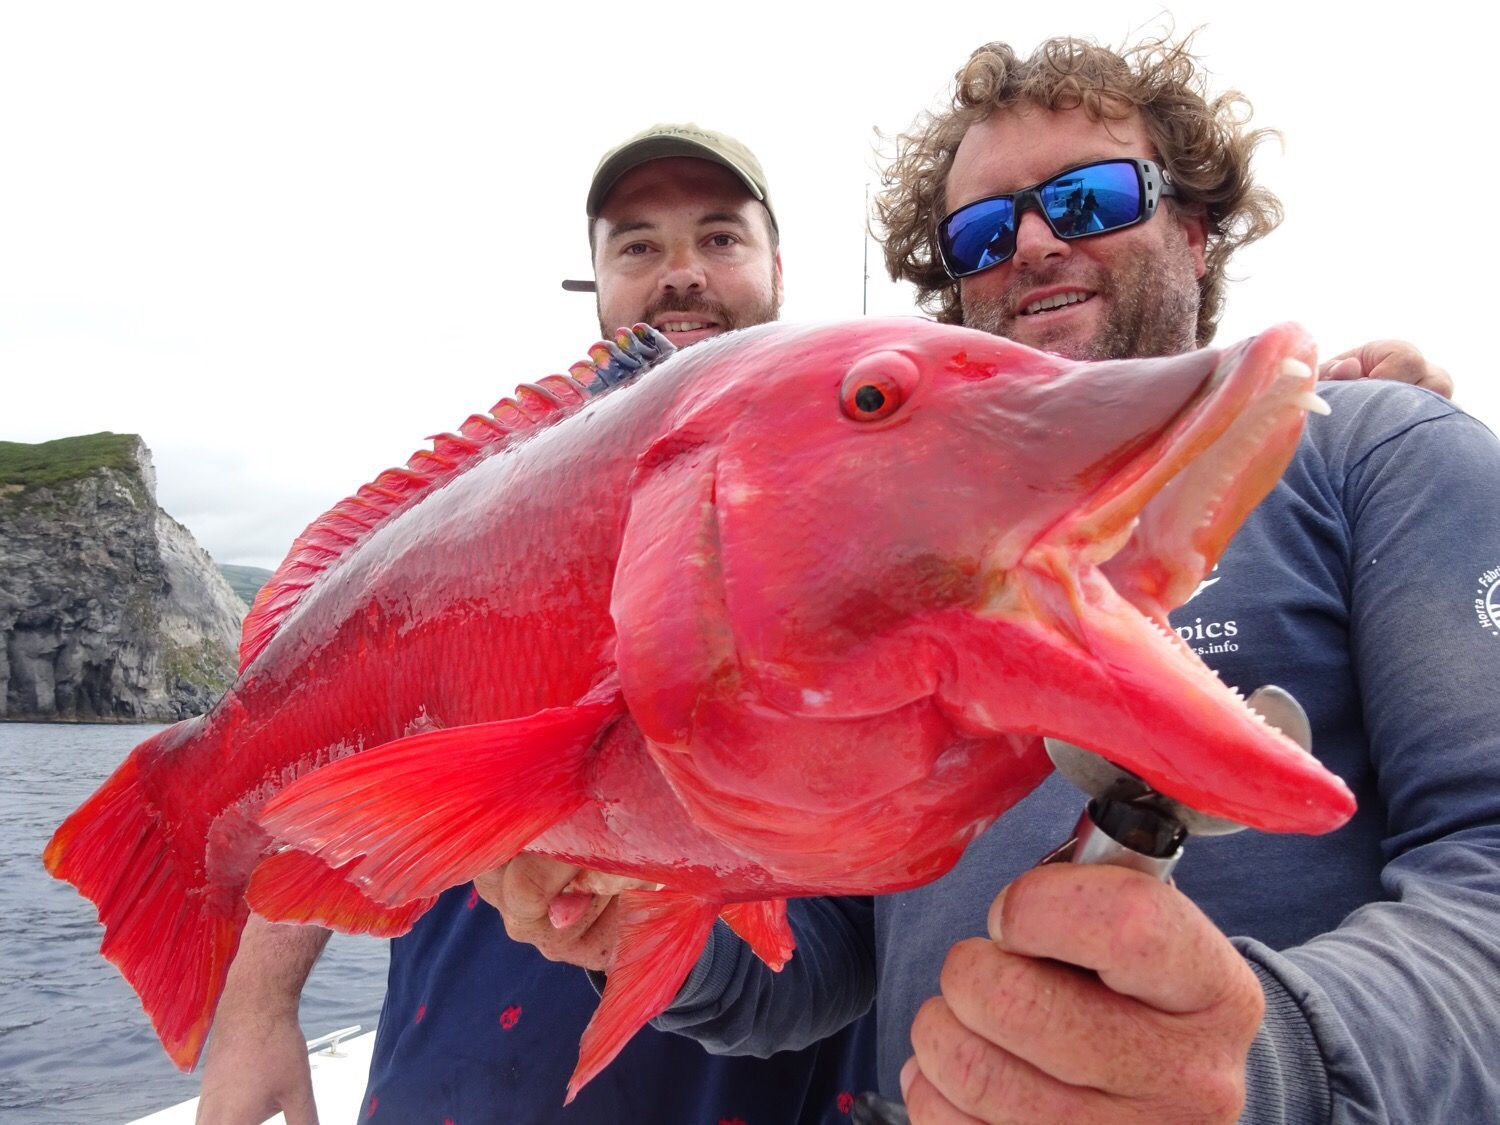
477 1027
1361 980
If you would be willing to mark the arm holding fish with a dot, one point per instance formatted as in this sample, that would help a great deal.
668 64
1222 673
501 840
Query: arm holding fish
734 1005
257 1057
1385 1018
1399 1001
1393 360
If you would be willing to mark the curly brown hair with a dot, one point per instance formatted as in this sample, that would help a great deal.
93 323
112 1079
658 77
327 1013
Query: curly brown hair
1203 144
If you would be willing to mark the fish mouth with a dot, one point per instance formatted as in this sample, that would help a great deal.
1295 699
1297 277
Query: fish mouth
1158 526
1087 602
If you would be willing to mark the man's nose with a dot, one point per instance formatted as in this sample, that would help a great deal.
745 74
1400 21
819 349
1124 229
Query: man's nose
1035 242
683 272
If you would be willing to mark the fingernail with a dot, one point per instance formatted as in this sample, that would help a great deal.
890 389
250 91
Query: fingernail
1347 368
997 908
908 1072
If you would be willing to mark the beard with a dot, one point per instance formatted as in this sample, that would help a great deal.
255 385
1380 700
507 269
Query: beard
1153 303
692 307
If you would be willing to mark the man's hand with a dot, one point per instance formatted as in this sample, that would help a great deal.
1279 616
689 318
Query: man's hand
1153 1024
256 1062
1388 359
257 1065
567 912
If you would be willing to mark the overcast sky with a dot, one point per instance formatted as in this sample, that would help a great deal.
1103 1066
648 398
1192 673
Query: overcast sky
285 241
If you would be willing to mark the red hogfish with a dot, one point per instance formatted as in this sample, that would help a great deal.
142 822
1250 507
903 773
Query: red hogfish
788 615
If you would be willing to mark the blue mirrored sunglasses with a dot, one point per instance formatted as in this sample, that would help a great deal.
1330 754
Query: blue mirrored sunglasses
1097 198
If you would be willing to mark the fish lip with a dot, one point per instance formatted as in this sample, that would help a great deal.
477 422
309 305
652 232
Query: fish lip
1242 374
1167 459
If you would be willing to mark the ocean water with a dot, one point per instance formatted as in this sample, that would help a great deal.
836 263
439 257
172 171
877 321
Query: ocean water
75 1046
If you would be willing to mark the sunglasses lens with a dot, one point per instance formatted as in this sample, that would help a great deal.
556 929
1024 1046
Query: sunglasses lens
979 236
1092 200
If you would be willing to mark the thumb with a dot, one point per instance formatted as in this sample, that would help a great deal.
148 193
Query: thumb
1341 367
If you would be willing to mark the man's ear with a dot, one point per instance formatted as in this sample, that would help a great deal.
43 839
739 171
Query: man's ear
1195 226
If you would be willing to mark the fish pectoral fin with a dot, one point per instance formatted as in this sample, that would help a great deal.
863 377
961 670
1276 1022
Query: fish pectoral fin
413 817
661 935
673 634
763 927
293 886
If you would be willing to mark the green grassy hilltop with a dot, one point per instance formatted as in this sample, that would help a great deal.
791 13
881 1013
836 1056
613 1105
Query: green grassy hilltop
25 467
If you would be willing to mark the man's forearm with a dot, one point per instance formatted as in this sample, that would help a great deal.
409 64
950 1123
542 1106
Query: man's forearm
257 1057
734 1005
271 966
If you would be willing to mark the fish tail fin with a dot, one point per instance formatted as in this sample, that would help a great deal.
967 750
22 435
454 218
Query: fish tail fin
763 927
169 931
411 818
661 936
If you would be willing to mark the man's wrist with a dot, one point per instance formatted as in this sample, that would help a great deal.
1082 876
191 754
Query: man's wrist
1286 1078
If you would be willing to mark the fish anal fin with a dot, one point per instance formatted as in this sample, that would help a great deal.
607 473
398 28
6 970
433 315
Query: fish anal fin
410 818
763 927
661 935
293 886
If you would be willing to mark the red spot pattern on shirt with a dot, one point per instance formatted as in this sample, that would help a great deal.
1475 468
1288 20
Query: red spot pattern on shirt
473 897
510 1017
374 1101
846 1102
421 1011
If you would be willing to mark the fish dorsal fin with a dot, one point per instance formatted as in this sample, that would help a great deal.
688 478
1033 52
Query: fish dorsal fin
332 535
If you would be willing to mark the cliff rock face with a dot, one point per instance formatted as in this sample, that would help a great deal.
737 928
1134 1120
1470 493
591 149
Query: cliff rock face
108 608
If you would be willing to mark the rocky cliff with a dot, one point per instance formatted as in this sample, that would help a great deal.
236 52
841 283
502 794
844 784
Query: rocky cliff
109 611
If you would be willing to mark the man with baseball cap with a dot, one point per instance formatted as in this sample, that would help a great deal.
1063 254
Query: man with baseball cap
476 1027
683 235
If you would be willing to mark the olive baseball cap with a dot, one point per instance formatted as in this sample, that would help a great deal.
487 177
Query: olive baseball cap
677 140
673 140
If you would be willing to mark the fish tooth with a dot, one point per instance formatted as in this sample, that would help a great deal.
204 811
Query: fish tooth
1294 367
1312 403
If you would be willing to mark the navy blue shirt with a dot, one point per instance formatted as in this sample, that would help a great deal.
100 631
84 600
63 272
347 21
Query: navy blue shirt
478 1029
1368 584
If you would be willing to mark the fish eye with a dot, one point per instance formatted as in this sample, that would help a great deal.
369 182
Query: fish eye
870 398
876 387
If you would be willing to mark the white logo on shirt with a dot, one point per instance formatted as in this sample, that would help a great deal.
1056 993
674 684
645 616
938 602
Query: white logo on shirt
1209 637
1204 585
1487 601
